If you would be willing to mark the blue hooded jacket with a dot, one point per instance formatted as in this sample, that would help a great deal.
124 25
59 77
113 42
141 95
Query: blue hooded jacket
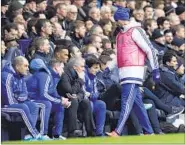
42 84
13 86
91 86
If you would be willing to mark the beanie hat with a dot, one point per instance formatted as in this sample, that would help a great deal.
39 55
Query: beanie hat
39 1
169 9
15 5
157 33
180 10
178 42
29 1
179 64
122 14
5 2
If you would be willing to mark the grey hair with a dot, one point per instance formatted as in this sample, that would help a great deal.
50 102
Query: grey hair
75 61
18 60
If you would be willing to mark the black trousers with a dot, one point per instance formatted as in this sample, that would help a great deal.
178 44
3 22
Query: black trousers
112 97
82 111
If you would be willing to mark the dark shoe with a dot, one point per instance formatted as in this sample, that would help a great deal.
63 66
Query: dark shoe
175 111
75 133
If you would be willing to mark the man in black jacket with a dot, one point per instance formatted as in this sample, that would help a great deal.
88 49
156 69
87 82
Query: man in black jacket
170 87
71 86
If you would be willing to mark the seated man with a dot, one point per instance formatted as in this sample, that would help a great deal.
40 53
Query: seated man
42 87
98 106
15 95
170 87
71 86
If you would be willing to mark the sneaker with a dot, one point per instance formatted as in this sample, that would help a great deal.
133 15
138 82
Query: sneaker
29 138
45 137
175 111
112 134
60 138
147 106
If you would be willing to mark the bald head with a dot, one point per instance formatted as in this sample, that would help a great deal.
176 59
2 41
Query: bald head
20 65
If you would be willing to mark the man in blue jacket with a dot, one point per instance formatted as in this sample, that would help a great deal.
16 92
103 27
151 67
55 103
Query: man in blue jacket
15 95
42 86
170 87
98 106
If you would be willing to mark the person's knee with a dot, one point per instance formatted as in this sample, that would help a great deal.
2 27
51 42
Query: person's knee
101 105
85 104
48 104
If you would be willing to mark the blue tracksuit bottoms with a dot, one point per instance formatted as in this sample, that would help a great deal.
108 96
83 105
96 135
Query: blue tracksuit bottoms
58 111
99 111
131 98
45 110
29 112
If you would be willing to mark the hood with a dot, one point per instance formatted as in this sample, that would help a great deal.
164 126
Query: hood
131 25
38 64
8 68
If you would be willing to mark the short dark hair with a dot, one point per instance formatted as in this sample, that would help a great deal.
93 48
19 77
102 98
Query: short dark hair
168 56
40 23
58 48
104 59
10 26
54 61
161 20
91 60
108 52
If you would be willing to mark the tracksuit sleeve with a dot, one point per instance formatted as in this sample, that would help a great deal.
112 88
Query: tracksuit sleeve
140 37
44 83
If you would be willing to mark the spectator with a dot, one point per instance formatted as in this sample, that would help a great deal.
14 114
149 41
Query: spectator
82 16
98 106
168 36
70 86
139 15
41 5
170 87
180 32
4 8
94 15
79 33
29 8
150 25
61 12
71 17
149 12
159 43
163 23
180 11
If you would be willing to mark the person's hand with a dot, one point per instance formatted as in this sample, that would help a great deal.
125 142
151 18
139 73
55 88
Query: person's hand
87 94
81 75
65 102
73 96
156 75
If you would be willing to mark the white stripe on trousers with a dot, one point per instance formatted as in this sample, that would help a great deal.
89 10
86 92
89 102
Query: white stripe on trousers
24 117
42 116
119 129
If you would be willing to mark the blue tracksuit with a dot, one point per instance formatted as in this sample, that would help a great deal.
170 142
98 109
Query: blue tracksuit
15 98
98 106
42 86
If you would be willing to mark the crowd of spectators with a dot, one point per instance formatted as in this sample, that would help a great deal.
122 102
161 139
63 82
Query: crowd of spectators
58 59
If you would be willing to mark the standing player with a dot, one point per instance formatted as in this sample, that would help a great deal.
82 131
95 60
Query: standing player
133 47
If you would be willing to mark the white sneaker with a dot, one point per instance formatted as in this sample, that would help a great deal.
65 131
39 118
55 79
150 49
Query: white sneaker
60 138
45 137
